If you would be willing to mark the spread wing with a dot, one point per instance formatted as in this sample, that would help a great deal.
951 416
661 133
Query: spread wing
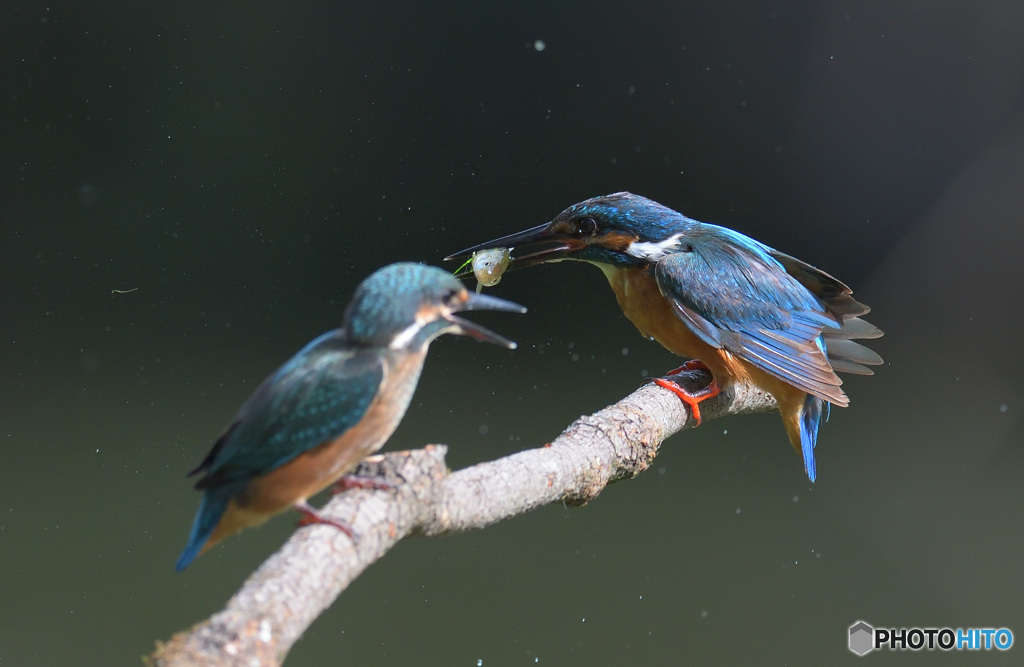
319 394
730 291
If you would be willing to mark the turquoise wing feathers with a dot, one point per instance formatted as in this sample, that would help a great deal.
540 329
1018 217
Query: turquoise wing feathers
732 293
319 394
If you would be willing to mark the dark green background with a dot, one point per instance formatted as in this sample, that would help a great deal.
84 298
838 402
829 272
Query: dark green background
243 166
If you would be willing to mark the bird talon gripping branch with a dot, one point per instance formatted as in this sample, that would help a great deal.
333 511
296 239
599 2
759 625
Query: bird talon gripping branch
347 482
692 399
312 517
691 365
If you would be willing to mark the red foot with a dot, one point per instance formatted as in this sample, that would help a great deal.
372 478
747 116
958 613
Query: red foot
356 482
310 517
692 399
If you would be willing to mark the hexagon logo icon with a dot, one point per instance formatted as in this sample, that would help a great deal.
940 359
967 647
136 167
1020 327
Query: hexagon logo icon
862 638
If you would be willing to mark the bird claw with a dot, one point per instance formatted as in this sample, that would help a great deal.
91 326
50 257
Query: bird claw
691 398
311 517
348 482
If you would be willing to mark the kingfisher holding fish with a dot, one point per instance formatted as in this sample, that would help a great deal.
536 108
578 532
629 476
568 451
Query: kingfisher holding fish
743 311
334 403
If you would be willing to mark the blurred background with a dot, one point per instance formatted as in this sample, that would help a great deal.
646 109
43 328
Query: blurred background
188 194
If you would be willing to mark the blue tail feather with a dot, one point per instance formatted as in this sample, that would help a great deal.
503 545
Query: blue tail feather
810 417
211 509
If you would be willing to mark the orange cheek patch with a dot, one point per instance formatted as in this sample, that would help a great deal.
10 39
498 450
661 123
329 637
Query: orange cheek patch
615 240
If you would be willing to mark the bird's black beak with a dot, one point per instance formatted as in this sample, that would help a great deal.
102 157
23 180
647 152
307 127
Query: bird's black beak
484 302
525 240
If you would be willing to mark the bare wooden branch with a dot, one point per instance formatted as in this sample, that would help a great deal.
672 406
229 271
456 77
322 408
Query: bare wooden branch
285 595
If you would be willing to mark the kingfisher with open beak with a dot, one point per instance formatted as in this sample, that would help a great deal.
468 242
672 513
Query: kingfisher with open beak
333 404
743 311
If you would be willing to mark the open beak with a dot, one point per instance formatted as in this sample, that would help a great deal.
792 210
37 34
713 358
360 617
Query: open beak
527 239
484 302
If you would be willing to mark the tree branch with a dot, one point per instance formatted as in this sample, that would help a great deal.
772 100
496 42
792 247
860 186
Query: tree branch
285 595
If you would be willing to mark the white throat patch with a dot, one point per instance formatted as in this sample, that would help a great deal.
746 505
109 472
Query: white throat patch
424 316
403 337
652 252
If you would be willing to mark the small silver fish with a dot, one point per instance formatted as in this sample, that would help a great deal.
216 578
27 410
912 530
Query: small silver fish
488 265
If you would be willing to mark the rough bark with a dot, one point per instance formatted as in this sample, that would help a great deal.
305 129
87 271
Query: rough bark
285 595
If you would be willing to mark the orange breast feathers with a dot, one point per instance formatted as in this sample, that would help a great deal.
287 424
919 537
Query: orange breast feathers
642 302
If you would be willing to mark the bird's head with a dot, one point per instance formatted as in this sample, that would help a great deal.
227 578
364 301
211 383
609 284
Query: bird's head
406 305
621 229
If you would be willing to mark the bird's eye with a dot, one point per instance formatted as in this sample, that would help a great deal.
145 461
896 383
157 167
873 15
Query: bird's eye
686 247
587 226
